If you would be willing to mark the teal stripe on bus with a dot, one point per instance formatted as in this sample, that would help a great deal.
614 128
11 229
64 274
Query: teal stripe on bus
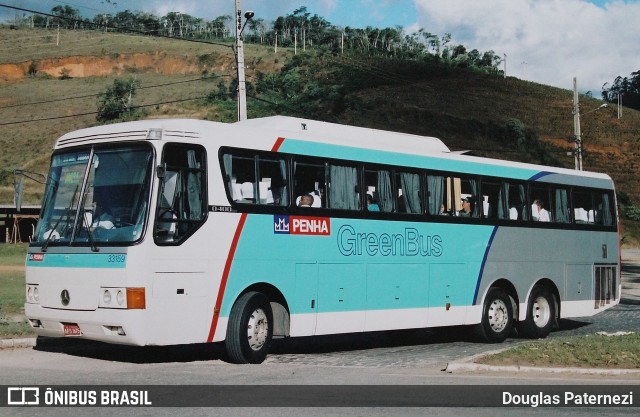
420 161
77 260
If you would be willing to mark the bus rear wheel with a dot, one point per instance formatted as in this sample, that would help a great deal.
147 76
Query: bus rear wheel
250 327
497 317
541 311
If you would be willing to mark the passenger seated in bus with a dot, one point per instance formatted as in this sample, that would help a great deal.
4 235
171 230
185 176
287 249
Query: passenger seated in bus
581 215
542 213
467 207
305 200
372 205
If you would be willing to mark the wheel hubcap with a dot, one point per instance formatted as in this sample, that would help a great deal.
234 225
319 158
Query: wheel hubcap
257 329
541 312
498 316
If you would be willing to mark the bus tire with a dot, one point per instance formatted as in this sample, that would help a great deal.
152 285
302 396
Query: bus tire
497 317
250 329
541 311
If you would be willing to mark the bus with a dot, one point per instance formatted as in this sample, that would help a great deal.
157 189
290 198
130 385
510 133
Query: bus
165 232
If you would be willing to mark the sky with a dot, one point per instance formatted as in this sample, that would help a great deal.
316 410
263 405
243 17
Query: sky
545 41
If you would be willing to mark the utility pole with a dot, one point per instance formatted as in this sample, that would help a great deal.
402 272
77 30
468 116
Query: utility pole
505 66
619 105
576 126
242 89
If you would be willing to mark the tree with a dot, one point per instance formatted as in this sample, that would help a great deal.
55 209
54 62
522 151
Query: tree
67 16
117 101
628 88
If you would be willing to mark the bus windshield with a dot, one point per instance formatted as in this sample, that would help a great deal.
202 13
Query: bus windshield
96 196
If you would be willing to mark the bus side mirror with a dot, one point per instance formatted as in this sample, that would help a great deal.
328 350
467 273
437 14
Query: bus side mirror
161 170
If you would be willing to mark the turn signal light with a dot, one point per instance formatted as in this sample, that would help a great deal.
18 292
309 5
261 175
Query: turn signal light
136 298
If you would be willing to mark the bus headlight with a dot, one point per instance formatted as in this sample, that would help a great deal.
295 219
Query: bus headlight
106 297
122 298
33 294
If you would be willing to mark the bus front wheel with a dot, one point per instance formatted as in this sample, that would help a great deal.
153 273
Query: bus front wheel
497 317
249 331
541 311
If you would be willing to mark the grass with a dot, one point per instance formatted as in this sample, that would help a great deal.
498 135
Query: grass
592 351
13 323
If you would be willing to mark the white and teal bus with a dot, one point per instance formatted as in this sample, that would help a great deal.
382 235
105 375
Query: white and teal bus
168 232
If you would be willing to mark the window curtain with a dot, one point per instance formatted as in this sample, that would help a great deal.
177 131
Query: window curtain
607 218
522 191
561 212
411 192
342 192
385 193
194 186
503 201
282 189
435 185
475 192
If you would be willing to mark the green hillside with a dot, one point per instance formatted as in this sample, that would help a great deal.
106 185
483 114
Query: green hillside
504 118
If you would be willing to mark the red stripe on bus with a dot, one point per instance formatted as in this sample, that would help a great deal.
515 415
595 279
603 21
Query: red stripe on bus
227 265
276 146
225 276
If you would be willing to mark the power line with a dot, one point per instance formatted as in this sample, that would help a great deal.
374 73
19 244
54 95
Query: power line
98 94
107 26
95 112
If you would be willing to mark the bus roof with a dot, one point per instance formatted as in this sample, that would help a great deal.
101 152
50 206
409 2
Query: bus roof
360 137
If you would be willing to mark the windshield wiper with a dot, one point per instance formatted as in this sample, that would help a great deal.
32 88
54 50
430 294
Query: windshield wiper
65 216
92 241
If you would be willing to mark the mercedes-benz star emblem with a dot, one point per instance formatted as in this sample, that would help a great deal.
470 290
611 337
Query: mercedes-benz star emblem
65 297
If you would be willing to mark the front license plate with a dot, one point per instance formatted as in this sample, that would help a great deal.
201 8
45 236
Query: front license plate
72 330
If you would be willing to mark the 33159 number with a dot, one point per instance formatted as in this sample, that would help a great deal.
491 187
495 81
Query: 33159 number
116 258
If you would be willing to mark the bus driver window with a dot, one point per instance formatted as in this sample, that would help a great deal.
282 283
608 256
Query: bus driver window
182 204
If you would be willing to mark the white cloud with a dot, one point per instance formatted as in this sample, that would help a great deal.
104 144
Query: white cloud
547 41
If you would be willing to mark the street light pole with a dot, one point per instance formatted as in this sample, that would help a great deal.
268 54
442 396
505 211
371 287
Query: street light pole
576 124
242 90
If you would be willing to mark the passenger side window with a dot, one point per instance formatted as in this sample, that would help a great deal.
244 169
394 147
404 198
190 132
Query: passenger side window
593 207
325 185
256 179
379 189
583 212
463 197
310 183
540 204
182 199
